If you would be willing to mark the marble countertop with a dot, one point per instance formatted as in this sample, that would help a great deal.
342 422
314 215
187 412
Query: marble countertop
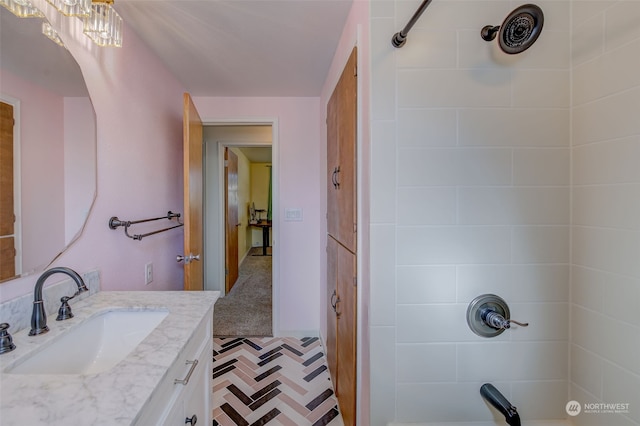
113 397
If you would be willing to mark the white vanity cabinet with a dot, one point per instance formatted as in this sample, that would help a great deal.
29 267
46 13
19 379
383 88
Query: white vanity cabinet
185 391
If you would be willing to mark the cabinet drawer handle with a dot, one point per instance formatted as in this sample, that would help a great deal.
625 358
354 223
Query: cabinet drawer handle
193 420
186 379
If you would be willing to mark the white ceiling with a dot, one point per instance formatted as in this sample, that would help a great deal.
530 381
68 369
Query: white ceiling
241 47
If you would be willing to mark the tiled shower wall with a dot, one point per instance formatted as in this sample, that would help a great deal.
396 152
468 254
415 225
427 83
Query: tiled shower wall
470 195
605 290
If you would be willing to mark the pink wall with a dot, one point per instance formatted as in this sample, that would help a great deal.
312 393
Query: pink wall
138 105
41 171
79 162
355 33
296 154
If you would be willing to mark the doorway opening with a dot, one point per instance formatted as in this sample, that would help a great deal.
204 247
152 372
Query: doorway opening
239 203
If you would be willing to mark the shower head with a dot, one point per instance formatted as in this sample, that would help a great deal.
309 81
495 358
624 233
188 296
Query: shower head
518 31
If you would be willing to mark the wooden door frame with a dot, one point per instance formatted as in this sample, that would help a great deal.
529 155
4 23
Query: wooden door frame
17 182
275 191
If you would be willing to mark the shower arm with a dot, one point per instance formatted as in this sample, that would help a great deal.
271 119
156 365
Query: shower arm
400 38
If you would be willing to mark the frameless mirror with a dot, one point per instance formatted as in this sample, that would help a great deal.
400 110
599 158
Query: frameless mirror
48 175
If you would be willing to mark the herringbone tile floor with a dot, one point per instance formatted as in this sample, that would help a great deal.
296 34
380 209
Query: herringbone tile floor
272 381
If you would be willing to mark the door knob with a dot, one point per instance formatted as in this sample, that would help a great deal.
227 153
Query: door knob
187 259
191 420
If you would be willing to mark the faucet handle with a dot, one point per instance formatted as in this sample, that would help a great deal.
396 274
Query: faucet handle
65 310
494 319
6 341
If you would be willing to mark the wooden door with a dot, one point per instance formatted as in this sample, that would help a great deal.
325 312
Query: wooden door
332 298
231 218
7 217
347 335
332 165
193 222
347 127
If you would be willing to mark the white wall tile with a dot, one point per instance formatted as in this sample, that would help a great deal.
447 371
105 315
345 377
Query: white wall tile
621 344
586 369
540 399
383 61
454 88
427 206
615 71
420 128
621 24
514 127
615 206
541 244
426 363
441 402
528 164
441 15
609 162
608 249
547 321
621 296
621 387
383 279
513 206
474 52
541 89
587 329
474 280
587 40
540 283
452 245
442 167
607 118
583 10
383 375
514 283
383 160
434 323
507 361
587 288
426 284
428 48
550 51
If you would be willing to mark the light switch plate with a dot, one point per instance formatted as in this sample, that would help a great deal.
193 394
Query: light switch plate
293 215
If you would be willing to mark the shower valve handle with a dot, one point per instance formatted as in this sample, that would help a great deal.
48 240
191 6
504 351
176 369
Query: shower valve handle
497 321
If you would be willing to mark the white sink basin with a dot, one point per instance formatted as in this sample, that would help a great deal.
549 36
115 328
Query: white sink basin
94 346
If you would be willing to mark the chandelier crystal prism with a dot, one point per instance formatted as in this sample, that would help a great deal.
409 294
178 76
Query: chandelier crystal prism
104 25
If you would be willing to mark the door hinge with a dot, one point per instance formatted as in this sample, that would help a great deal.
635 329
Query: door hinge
355 281
355 227
355 71
226 271
226 163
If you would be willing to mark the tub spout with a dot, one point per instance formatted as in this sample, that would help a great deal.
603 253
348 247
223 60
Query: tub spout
495 398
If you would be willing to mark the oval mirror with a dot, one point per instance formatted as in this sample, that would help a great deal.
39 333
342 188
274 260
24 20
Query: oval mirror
48 155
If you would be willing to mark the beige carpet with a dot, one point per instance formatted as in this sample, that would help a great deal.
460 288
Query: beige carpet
246 310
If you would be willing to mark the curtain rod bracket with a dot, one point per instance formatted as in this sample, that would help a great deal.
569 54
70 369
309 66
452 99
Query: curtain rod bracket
400 38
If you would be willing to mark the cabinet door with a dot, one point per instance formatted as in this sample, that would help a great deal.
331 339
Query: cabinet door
341 157
347 142
196 403
332 297
347 335
332 165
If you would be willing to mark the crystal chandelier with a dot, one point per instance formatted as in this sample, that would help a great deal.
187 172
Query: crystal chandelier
104 25
101 23
22 8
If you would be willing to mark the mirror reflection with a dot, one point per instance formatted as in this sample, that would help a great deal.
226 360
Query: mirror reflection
48 152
